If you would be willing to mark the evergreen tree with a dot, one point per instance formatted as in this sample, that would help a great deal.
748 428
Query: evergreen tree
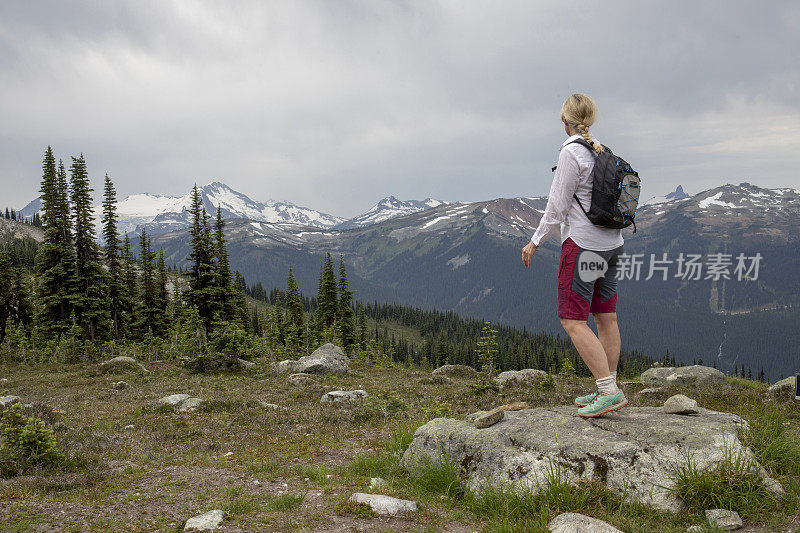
327 298
362 325
149 287
129 296
160 320
488 349
55 260
294 316
111 238
222 273
202 287
91 305
239 302
345 317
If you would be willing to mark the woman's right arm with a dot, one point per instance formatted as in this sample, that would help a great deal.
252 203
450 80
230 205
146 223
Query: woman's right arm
565 183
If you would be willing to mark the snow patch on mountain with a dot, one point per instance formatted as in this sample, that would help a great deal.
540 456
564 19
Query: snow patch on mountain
388 208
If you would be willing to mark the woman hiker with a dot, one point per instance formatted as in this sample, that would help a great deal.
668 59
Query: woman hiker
584 248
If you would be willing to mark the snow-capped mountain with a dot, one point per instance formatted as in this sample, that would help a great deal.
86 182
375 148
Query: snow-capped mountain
389 207
677 194
159 214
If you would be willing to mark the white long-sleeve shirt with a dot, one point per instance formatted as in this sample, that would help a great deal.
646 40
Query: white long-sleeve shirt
574 176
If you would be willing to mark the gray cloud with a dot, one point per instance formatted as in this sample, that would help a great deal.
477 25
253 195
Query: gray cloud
335 104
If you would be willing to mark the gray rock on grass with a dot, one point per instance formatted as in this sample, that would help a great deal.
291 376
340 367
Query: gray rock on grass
123 363
724 519
327 359
385 505
784 385
681 405
121 385
578 523
6 401
300 379
634 451
181 402
682 375
455 371
206 521
245 365
338 396
518 377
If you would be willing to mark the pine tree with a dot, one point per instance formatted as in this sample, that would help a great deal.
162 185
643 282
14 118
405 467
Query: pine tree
362 325
222 273
92 304
55 261
488 349
294 316
202 286
327 298
129 300
149 287
345 317
238 302
160 320
111 238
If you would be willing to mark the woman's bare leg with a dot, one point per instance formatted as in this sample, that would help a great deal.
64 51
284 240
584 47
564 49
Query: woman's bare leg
589 347
608 333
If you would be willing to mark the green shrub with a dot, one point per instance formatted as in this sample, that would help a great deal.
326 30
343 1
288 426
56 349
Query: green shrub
25 443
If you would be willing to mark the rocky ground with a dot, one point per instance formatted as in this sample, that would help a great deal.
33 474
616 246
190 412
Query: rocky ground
263 448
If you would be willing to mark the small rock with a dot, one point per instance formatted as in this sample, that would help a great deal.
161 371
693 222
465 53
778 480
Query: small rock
344 396
784 385
724 519
121 385
273 406
227 454
5 401
772 486
490 418
256 482
518 377
245 365
695 529
680 405
327 359
300 379
190 404
455 371
515 406
385 505
205 522
4 380
123 363
376 482
128 427
437 379
181 402
578 523
174 400
651 390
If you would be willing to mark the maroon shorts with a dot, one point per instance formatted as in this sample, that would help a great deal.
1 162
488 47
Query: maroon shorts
587 281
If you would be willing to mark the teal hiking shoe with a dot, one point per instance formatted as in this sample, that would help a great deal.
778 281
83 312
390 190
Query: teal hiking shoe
603 404
582 401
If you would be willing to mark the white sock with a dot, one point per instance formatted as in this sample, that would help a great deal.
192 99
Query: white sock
614 375
607 386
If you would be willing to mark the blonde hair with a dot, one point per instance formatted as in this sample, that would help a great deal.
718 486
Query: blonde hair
580 112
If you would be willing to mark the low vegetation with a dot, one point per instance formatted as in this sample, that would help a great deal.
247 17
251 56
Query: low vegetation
127 464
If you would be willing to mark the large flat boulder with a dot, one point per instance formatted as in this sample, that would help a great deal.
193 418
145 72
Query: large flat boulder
784 385
327 359
633 451
682 375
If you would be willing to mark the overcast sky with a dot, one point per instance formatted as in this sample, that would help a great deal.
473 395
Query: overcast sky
335 104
